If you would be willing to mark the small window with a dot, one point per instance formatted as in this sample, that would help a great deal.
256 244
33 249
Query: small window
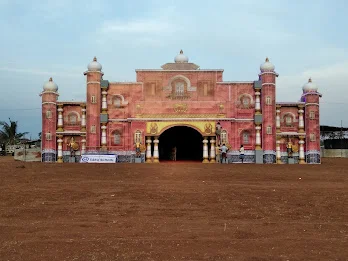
117 102
288 120
48 114
93 129
137 136
93 99
48 136
117 138
268 100
312 137
312 115
269 130
245 137
223 137
72 118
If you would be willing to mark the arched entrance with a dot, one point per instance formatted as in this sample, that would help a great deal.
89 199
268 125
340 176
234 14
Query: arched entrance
188 143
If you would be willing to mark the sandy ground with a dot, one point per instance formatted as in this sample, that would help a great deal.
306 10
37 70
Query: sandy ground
173 211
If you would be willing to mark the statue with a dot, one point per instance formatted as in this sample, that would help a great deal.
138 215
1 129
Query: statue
74 146
137 149
218 133
289 149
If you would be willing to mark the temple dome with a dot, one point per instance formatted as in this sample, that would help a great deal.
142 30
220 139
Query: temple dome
94 65
50 86
267 66
181 58
310 86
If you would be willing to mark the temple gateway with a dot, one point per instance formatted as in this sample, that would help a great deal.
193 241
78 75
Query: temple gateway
184 108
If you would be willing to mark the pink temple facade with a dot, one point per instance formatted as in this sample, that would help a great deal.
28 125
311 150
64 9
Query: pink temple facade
184 107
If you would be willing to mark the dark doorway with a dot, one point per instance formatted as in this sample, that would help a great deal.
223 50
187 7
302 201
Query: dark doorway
188 143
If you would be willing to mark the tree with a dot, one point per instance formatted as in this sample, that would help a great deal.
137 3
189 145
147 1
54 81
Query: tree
8 134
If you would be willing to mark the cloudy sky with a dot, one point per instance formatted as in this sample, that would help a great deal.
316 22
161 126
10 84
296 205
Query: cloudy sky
40 39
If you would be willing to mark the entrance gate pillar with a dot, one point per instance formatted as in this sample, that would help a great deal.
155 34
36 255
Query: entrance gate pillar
205 150
155 150
212 150
148 150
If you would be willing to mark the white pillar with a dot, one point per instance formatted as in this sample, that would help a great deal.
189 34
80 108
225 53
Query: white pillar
83 119
279 161
60 150
212 150
148 150
300 120
258 138
257 102
302 154
155 150
104 103
205 150
60 118
278 120
103 135
83 146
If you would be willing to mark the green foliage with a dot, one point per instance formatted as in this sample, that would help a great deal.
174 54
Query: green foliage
9 134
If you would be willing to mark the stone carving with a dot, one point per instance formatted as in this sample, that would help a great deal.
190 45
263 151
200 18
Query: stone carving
153 128
208 128
180 108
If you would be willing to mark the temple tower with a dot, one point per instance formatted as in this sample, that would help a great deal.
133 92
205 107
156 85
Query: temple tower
93 106
49 121
268 108
311 98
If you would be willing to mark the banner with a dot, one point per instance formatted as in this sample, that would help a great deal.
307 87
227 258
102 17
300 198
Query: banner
98 159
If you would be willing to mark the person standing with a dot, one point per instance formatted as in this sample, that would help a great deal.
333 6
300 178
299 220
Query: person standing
241 153
174 154
224 150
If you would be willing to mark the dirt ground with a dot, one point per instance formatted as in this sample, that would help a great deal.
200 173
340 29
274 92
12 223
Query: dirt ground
173 211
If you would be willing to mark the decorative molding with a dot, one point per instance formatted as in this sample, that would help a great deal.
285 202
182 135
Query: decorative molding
290 133
49 103
93 83
316 104
269 84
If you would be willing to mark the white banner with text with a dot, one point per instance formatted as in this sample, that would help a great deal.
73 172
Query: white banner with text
98 159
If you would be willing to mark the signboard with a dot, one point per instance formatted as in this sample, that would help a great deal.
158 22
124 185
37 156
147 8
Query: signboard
98 159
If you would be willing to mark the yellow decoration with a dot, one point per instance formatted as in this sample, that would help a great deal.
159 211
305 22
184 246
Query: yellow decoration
204 127
180 108
186 116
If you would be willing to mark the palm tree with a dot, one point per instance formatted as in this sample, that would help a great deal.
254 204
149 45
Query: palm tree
8 134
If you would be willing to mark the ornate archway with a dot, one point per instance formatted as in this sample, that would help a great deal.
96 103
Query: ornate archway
180 143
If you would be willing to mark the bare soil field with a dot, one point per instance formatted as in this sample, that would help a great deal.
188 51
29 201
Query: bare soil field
173 211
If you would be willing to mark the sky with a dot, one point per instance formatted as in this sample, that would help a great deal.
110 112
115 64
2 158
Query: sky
42 39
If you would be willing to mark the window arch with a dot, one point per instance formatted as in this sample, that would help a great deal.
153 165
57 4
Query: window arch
116 137
137 137
48 136
268 100
245 100
117 102
245 137
289 119
48 114
223 137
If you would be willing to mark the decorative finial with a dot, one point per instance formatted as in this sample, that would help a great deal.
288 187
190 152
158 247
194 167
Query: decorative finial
310 80
267 60
181 52
95 59
50 79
